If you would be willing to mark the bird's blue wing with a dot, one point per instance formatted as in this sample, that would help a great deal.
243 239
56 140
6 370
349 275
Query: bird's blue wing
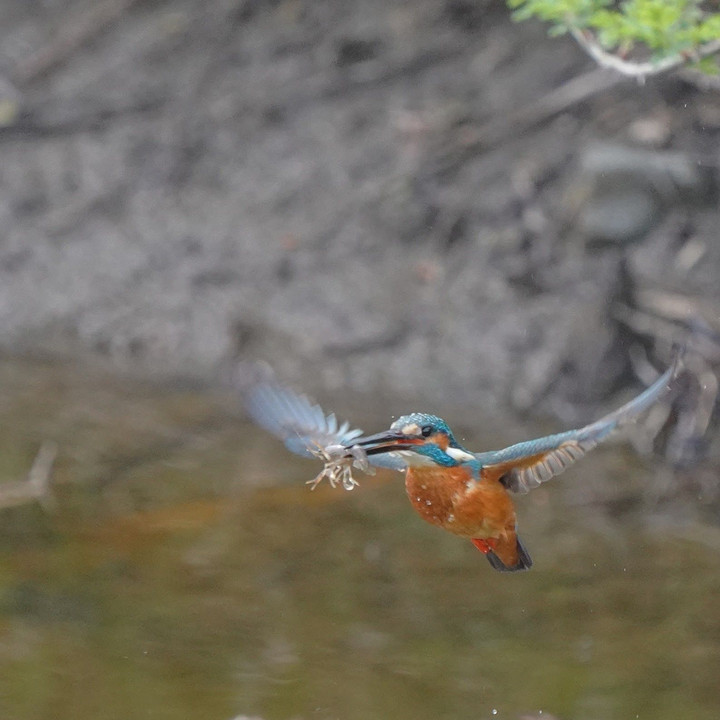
526 465
298 422
302 425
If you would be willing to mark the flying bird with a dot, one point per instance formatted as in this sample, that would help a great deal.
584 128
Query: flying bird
465 493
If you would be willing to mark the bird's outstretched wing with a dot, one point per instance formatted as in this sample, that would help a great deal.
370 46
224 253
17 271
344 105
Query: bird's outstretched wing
302 425
526 465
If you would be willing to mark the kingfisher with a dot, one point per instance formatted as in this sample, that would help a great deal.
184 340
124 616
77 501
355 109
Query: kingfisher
465 493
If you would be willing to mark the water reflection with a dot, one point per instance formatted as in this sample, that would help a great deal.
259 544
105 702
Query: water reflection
182 576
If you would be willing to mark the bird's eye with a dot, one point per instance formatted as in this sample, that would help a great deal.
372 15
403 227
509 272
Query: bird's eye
426 430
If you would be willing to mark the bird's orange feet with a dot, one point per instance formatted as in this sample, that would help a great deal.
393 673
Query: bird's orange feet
484 545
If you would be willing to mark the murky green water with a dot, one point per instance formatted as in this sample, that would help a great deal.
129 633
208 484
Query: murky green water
185 571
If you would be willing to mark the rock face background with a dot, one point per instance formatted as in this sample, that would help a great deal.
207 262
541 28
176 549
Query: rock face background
369 194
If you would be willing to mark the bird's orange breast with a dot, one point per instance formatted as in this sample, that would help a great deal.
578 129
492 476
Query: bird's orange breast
453 500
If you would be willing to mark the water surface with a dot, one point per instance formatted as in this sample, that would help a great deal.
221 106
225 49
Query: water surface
183 570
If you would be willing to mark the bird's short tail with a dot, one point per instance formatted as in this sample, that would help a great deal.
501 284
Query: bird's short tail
505 554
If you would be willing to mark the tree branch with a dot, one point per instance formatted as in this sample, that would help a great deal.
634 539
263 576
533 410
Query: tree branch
639 70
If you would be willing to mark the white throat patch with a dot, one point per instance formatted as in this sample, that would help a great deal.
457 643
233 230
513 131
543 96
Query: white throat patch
413 459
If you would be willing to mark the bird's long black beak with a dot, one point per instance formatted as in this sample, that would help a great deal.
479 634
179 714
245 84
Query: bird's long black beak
387 441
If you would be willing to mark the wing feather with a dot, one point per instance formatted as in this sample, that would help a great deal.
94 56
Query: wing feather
303 425
526 465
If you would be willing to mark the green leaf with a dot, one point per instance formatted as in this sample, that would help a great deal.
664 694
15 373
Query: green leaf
557 30
708 65
659 29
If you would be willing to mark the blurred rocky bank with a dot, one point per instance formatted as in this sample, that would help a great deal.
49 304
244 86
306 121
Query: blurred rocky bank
419 197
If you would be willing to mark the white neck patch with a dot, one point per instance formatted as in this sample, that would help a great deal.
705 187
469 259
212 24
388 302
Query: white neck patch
459 455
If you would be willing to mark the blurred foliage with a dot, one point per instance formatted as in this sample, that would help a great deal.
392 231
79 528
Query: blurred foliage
663 28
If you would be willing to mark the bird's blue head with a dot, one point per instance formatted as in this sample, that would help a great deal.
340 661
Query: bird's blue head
420 439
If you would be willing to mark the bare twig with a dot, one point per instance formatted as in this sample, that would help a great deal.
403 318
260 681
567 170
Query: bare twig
680 307
528 116
636 69
668 331
39 476
78 30
37 483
